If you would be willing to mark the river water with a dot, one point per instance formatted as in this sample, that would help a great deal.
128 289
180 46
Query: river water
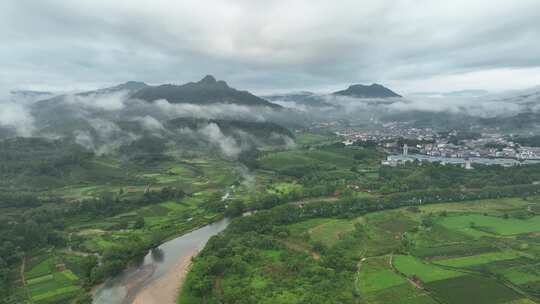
158 263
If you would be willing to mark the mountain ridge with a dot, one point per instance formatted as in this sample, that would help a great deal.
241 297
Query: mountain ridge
367 91
206 91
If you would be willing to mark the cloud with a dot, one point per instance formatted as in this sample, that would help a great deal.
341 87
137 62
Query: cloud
108 102
479 107
289 142
211 111
85 139
107 139
472 103
269 45
228 145
17 118
150 123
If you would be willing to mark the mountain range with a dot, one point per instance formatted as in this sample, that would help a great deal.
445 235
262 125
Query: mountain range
367 91
206 91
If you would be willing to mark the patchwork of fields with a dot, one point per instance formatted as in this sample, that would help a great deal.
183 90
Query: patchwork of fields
469 252
50 279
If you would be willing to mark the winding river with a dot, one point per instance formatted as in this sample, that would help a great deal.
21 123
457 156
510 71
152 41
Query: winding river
156 278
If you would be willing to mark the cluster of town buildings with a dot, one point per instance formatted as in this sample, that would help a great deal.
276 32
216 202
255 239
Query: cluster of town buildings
427 145
390 133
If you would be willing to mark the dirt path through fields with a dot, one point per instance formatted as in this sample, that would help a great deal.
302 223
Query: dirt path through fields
23 269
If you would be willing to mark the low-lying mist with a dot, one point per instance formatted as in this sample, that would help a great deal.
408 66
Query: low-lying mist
331 107
104 121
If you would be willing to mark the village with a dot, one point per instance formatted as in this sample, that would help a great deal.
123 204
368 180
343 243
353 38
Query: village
454 147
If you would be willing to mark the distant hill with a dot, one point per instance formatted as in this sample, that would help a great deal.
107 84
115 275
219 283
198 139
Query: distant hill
31 94
364 91
130 86
206 91
528 97
457 94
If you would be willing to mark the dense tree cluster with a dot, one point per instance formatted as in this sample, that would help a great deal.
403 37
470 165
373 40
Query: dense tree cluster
146 149
413 176
242 258
37 157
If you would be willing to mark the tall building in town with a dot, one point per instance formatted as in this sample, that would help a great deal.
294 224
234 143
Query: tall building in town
468 165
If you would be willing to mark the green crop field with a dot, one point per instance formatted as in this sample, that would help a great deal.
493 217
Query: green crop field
472 289
490 206
521 275
411 266
43 268
56 295
45 284
376 274
479 225
400 294
478 259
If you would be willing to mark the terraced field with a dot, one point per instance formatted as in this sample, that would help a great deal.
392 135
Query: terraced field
48 280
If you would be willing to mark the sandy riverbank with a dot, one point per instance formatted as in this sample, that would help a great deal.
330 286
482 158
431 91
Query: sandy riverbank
165 289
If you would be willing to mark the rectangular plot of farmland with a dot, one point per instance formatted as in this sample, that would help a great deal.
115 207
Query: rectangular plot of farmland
472 289
376 275
475 224
412 267
478 259
401 294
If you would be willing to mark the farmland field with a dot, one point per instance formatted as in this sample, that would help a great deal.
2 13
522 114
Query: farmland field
489 224
47 283
376 274
473 289
411 266
479 259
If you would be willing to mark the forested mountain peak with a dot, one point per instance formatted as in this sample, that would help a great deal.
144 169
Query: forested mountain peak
206 91
374 90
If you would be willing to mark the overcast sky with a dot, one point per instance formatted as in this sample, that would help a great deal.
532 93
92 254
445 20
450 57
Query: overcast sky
266 45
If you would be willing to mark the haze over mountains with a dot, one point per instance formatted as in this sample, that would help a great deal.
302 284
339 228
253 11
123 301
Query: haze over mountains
203 116
204 92
106 119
